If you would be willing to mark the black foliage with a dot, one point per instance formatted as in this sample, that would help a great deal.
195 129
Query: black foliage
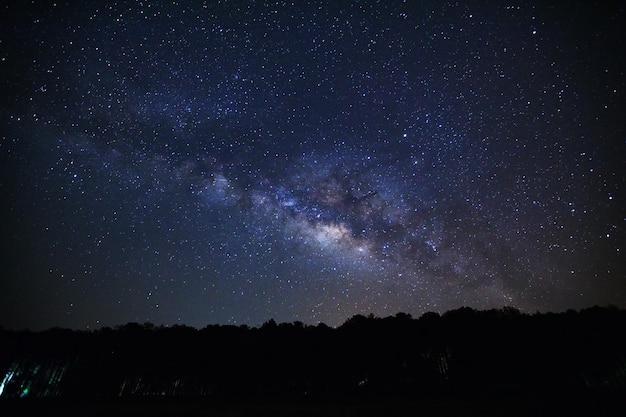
462 352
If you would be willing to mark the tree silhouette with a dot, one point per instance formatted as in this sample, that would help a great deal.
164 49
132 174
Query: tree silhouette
498 352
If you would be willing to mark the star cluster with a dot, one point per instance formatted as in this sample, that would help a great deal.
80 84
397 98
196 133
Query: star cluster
231 162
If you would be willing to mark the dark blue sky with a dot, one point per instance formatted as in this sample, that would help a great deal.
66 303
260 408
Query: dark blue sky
225 162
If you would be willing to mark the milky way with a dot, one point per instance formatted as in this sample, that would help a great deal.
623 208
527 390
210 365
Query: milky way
210 162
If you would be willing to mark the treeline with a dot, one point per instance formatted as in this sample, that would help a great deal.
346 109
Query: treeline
464 352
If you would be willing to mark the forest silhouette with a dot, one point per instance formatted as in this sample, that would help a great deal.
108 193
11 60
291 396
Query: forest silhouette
463 353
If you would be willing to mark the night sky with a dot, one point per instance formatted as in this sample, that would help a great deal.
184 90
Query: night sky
231 162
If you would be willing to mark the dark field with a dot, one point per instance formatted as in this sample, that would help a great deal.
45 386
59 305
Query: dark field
464 362
589 405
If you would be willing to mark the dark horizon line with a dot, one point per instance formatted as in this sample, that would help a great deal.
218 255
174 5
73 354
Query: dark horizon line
148 325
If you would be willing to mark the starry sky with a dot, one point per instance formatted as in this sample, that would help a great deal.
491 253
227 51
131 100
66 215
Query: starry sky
186 162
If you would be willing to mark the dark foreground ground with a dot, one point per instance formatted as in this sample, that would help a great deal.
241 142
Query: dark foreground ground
462 363
588 405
